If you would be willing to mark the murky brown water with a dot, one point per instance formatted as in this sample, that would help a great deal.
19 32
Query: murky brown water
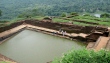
34 47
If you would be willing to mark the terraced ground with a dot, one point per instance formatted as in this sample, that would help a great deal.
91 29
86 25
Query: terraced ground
85 20
5 23
77 20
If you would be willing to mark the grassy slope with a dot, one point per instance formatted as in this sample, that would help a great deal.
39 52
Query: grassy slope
91 19
100 21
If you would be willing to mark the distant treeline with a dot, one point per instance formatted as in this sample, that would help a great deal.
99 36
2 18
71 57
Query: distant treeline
14 8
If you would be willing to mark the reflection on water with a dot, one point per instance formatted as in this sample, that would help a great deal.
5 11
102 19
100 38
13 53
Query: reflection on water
97 15
34 47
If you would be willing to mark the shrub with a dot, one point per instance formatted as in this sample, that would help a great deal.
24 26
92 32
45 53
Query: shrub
105 15
63 15
74 14
84 56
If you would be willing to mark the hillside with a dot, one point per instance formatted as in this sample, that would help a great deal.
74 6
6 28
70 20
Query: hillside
13 8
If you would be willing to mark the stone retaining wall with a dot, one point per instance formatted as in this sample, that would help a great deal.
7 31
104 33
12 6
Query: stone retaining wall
7 36
13 25
56 26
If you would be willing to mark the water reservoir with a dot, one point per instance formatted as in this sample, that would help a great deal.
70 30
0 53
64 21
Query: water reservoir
35 47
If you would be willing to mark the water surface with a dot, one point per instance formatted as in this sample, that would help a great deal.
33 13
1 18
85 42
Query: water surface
35 47
97 15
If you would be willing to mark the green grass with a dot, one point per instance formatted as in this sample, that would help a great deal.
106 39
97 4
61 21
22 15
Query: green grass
4 62
59 20
34 17
37 17
105 23
83 24
2 23
76 23
91 19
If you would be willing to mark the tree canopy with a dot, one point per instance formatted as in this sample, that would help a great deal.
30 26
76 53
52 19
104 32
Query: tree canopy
12 9
63 15
0 13
105 15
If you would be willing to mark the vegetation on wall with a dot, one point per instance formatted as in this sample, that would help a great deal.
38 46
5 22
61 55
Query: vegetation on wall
84 56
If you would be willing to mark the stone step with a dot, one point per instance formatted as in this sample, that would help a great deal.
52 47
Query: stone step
108 45
101 43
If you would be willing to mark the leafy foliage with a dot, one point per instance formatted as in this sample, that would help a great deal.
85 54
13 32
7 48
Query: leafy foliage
105 15
63 15
0 13
86 15
74 13
13 8
84 56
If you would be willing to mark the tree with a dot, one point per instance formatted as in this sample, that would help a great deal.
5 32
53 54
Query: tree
105 15
35 12
0 13
24 15
63 15
74 14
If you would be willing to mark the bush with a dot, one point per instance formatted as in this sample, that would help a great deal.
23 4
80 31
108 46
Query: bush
74 14
105 15
63 15
84 56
